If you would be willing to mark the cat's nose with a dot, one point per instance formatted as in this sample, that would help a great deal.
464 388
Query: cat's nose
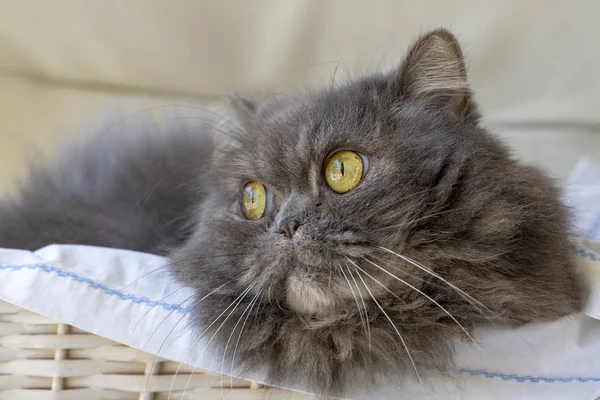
289 228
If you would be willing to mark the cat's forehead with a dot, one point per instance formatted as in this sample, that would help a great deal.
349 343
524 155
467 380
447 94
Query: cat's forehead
291 143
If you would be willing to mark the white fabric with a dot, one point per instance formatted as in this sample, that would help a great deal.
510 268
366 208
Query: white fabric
584 195
114 293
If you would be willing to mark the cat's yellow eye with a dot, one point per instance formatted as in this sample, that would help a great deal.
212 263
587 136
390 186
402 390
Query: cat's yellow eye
254 200
344 170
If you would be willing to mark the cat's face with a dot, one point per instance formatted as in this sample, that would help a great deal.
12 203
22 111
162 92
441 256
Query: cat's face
398 155
378 201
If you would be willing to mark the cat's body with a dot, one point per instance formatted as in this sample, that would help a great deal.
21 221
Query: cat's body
444 231
129 190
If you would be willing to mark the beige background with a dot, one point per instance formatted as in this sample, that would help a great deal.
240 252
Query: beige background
534 64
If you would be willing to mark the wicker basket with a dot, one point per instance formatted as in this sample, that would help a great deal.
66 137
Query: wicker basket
43 359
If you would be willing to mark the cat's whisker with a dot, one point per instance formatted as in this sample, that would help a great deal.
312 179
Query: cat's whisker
269 293
397 268
152 308
237 302
422 294
162 345
432 273
231 336
364 307
382 210
175 263
238 342
249 309
143 276
412 361
432 283
162 322
362 320
414 221
172 329
175 309
401 199
173 380
277 303
200 338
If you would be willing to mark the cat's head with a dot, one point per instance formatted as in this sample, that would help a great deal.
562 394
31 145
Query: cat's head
380 201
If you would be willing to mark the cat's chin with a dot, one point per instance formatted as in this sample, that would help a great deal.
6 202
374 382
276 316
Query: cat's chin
306 295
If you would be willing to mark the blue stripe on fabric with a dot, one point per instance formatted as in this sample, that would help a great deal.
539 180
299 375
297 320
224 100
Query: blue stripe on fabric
528 378
95 285
584 253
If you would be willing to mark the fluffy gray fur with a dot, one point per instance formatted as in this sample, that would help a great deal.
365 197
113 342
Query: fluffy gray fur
477 236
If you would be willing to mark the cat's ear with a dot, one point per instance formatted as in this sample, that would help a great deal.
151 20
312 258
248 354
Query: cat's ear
434 71
234 117
244 108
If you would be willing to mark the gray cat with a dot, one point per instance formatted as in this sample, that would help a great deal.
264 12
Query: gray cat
356 231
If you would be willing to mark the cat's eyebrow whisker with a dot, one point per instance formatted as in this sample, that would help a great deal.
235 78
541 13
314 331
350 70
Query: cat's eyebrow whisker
364 307
332 84
234 134
150 109
432 273
421 293
207 121
237 302
362 320
391 323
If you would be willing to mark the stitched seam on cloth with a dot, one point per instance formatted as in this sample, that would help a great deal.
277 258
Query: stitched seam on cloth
528 378
584 253
95 285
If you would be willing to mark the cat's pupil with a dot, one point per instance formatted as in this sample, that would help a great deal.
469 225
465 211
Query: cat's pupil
342 168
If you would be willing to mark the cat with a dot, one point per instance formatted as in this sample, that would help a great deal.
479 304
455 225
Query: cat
357 231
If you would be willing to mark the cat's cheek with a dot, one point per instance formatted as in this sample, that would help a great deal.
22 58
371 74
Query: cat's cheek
325 195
